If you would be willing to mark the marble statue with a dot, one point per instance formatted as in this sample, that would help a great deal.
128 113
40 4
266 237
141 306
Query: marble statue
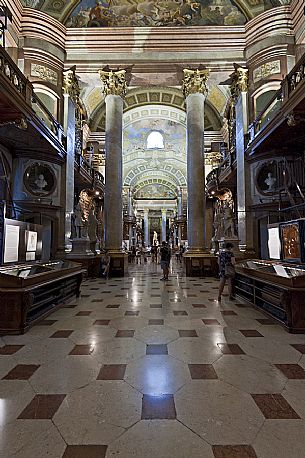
41 182
78 221
92 225
270 182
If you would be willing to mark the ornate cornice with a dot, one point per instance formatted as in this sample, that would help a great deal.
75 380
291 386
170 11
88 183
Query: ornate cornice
240 81
70 84
113 82
194 81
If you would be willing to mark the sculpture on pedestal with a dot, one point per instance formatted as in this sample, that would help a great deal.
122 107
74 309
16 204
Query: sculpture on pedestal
224 220
78 221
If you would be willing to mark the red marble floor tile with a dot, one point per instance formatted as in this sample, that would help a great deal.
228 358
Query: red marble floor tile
299 347
83 313
132 313
46 322
98 300
21 372
42 407
158 407
191 295
199 306
10 349
85 295
156 322
125 333
202 372
250 333
175 300
233 451
156 349
210 321
180 313
274 407
228 312
187 333
82 350
94 289
230 349
155 306
112 372
119 295
62 334
204 291
70 306
265 321
85 451
292 371
113 306
101 322
155 295
242 305
135 300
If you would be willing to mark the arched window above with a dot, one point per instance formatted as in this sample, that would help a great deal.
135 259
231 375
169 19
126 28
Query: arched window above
155 140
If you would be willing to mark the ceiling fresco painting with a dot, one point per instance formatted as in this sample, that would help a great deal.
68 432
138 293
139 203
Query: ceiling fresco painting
146 13
139 13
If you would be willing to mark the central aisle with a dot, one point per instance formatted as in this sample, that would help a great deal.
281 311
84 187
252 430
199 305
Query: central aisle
142 368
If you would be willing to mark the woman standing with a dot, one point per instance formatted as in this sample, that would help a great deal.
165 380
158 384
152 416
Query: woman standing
226 262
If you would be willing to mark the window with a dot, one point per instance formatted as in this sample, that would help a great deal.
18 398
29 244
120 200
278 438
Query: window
155 140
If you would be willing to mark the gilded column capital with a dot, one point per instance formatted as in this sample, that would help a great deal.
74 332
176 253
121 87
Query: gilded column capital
195 81
70 84
113 82
240 81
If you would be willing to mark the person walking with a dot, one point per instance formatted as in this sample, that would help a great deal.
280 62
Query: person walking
226 262
165 254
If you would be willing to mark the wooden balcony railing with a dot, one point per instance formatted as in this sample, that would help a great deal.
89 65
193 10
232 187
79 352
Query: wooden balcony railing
288 87
20 91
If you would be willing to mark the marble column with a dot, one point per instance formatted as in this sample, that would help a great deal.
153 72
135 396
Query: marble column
195 172
146 228
163 226
113 173
114 87
130 218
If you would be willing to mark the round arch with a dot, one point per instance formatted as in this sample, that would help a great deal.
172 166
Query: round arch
147 96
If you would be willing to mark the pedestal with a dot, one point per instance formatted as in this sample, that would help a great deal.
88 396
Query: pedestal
200 265
118 264
80 248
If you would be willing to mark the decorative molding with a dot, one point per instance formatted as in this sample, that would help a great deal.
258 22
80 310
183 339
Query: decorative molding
44 73
265 70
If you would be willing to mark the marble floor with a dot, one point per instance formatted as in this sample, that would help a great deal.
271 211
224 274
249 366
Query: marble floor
141 368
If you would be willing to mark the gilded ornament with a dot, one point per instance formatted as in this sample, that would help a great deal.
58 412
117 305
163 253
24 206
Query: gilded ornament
44 73
239 81
113 82
195 81
70 84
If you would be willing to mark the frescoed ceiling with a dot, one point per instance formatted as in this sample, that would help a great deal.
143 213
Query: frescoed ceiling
146 13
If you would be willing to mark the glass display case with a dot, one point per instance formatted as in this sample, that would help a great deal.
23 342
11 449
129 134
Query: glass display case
21 275
275 287
29 292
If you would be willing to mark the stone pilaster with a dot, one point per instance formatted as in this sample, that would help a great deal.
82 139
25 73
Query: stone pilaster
239 94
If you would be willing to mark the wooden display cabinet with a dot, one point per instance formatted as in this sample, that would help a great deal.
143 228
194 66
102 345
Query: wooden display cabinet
276 288
30 292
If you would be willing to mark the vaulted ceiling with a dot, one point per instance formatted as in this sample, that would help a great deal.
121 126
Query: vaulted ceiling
146 13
